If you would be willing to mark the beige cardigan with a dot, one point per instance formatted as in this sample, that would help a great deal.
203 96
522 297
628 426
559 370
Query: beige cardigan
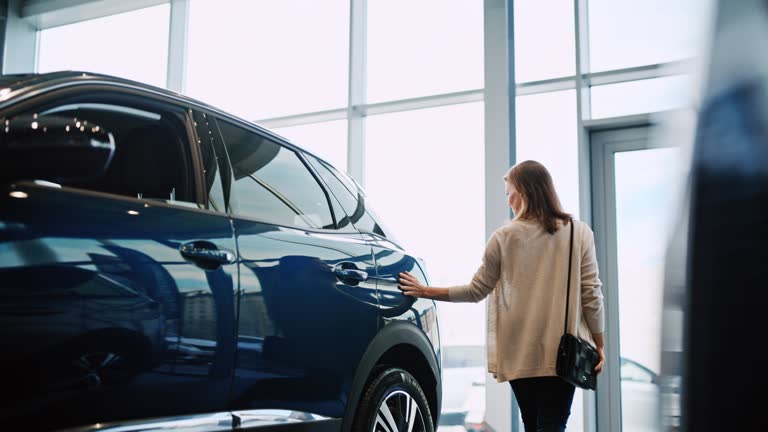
525 271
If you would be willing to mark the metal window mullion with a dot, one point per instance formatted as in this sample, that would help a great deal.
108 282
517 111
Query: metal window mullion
581 22
178 36
600 78
544 86
582 82
583 106
637 73
358 40
422 102
20 42
365 110
583 112
500 153
305 118
47 14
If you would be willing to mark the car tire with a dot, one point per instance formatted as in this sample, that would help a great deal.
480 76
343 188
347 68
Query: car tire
393 401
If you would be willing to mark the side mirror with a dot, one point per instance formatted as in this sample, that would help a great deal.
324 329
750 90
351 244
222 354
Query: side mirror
53 148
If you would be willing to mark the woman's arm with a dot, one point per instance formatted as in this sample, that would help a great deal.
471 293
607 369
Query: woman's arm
591 288
412 287
592 297
482 284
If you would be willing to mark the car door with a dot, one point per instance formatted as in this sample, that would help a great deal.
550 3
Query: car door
118 290
389 257
307 299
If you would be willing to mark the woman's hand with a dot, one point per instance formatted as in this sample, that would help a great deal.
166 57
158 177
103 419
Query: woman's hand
411 286
599 339
601 355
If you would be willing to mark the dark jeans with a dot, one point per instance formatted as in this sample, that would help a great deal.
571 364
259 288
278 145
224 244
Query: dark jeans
545 402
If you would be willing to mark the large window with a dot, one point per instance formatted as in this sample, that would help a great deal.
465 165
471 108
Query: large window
102 46
626 33
637 97
269 58
544 40
425 173
288 62
646 190
547 132
422 48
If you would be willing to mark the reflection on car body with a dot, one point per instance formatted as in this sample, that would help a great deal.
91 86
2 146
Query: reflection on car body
156 250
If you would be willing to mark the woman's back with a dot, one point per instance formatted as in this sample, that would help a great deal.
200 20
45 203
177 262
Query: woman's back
525 271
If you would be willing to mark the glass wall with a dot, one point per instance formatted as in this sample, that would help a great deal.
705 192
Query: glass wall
427 182
636 58
547 132
101 45
423 48
544 40
646 193
269 58
642 96
627 33
282 62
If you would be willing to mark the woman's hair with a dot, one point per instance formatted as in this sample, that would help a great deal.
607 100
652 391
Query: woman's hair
540 201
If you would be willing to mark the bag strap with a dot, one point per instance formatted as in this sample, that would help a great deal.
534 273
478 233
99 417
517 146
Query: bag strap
568 287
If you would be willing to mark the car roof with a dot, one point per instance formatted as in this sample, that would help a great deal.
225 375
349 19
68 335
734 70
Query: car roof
16 87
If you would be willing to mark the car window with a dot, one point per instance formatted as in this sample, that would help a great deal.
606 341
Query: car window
350 197
152 152
338 193
271 183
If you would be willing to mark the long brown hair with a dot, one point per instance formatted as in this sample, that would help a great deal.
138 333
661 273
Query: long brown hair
540 201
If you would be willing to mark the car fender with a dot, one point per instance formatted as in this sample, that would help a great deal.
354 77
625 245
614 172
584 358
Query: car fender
397 333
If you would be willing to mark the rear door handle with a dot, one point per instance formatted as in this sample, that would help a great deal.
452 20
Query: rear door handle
205 254
348 272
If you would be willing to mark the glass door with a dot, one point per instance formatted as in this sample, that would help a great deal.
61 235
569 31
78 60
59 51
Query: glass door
635 185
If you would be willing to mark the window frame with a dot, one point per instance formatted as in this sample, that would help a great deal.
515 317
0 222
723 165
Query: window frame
222 160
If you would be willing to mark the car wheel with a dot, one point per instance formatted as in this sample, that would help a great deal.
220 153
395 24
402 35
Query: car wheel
393 402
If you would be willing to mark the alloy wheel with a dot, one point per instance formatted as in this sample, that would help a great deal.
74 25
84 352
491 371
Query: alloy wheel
399 412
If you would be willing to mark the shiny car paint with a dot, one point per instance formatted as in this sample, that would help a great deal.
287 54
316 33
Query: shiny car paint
106 318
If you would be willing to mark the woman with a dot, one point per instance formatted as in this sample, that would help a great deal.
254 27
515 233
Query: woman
524 270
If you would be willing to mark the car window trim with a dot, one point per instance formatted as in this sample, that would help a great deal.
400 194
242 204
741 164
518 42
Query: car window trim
22 94
197 160
140 202
330 191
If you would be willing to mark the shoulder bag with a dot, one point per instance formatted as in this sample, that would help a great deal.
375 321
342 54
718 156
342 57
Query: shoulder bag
576 358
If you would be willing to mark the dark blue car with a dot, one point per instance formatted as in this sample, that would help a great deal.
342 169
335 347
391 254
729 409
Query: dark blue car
165 264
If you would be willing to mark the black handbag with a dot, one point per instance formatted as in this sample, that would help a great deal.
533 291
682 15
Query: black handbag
576 358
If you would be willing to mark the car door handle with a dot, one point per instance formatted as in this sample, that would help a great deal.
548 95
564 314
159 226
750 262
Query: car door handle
206 255
348 271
